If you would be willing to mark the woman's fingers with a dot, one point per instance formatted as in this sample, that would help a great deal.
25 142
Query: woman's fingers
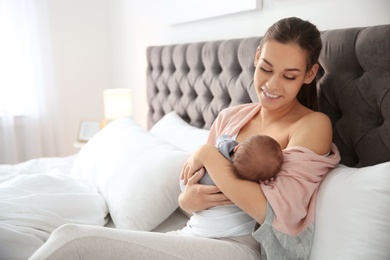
185 172
197 197
213 196
182 172
188 171
183 175
194 179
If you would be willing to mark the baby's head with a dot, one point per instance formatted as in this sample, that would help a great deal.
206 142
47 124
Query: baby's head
258 157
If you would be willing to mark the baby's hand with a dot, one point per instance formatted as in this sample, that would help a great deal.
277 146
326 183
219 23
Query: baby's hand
266 182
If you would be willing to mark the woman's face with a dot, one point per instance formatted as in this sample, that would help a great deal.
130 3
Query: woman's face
280 73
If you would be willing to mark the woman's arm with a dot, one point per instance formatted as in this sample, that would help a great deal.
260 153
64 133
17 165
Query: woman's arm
197 197
245 194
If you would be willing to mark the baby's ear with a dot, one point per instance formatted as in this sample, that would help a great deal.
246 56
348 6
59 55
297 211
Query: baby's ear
236 148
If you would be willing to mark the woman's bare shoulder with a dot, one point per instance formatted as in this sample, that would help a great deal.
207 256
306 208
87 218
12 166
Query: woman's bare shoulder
313 131
316 118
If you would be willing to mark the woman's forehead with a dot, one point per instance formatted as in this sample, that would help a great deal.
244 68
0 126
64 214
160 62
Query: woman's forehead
289 56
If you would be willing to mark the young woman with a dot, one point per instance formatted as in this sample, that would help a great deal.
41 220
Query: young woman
286 65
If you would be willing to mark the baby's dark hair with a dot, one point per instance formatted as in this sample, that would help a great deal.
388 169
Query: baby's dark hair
258 155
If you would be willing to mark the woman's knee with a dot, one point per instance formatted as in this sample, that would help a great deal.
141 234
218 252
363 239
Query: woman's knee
62 239
67 229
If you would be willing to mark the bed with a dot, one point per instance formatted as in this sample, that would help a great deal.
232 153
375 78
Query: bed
112 180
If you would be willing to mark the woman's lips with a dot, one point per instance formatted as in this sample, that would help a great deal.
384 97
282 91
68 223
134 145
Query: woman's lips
269 95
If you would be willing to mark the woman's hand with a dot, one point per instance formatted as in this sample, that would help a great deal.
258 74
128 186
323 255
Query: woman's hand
192 165
197 197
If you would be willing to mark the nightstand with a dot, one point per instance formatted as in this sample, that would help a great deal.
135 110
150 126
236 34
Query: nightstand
78 145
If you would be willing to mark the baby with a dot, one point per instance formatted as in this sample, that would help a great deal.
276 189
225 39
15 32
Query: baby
257 158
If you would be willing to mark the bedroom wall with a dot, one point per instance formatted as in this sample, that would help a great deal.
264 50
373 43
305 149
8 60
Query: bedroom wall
140 24
102 43
81 38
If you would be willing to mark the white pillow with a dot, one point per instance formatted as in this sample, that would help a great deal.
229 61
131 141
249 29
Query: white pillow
173 129
137 173
352 215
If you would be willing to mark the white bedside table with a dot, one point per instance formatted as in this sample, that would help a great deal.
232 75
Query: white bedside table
78 145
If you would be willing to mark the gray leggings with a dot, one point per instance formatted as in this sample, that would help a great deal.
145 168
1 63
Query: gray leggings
87 242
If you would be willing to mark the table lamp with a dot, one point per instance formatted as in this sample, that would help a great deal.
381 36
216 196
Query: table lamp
117 103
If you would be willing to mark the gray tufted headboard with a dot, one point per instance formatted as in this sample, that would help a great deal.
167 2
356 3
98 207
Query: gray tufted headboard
198 80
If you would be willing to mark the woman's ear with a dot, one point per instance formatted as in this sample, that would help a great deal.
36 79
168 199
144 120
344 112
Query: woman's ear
257 56
311 74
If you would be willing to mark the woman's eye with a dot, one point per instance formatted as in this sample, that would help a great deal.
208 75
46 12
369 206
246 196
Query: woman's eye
289 78
265 70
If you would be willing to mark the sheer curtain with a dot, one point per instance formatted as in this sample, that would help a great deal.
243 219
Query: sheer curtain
27 92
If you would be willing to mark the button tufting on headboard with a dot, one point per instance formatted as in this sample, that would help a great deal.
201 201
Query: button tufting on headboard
355 90
198 80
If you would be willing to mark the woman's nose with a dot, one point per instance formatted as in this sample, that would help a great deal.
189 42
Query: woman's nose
272 83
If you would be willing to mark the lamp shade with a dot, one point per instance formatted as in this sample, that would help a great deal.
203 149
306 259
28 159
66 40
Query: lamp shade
117 103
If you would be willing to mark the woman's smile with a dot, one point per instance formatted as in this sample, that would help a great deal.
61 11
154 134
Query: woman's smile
269 95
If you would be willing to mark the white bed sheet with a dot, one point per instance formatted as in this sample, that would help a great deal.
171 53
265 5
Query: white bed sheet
177 220
38 196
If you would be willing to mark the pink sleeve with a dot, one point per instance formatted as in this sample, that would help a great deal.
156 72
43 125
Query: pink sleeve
214 131
292 195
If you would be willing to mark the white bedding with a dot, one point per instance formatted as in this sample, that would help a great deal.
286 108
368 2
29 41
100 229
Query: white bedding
38 196
109 174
